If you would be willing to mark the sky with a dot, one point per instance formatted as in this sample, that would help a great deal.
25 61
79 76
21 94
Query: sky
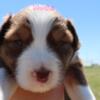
85 15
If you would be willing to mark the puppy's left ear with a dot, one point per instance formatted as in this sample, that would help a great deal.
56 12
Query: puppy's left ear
4 27
71 28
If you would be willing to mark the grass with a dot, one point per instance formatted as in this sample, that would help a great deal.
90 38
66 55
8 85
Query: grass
93 77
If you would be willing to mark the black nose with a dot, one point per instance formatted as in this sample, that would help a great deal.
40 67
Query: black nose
42 75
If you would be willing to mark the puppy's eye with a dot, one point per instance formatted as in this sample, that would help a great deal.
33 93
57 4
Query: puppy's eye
16 44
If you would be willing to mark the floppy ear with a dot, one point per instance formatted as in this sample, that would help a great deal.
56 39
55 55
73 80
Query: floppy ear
4 28
71 28
75 82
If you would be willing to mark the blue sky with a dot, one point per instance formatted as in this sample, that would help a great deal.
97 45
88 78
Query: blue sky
84 13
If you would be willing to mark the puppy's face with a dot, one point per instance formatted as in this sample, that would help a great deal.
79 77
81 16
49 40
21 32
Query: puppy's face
36 46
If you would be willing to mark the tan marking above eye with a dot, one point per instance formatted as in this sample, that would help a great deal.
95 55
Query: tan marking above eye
9 34
61 35
69 36
21 32
60 31
25 33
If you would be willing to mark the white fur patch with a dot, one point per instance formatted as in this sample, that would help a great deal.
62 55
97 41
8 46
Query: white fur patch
38 54
7 85
79 92
33 59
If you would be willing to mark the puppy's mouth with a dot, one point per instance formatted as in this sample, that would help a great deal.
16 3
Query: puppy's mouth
42 75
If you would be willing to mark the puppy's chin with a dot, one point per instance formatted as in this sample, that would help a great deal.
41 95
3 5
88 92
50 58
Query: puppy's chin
38 89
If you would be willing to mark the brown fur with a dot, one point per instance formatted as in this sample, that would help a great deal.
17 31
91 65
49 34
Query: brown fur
60 32
62 40
75 74
16 39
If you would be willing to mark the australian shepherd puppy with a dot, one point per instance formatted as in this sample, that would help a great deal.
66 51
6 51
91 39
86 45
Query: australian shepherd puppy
38 52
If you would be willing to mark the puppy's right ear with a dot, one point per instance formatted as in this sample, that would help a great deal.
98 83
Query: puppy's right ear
4 27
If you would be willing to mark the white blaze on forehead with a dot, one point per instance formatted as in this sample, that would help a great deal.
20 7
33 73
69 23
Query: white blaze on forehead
41 18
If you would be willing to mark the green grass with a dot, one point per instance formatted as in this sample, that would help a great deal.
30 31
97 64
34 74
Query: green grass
93 76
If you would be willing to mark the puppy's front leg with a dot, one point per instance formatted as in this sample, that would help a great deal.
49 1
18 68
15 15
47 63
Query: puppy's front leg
75 82
7 85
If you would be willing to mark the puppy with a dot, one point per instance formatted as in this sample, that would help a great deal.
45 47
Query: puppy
38 52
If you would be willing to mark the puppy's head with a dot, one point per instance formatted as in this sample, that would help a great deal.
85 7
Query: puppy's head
36 45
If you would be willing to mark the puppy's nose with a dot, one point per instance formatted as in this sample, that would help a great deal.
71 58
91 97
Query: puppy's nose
42 75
